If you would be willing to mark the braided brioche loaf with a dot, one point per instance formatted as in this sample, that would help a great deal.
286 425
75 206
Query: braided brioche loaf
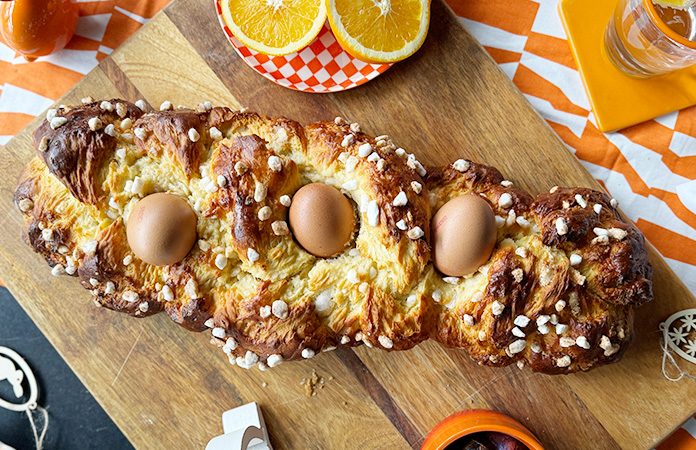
556 294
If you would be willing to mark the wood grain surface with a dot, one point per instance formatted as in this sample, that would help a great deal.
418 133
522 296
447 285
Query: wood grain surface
166 387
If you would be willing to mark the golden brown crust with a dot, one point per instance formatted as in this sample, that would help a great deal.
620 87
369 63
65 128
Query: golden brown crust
385 178
75 151
557 293
621 272
238 196
168 131
587 299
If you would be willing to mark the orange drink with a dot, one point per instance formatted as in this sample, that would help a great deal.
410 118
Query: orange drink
644 39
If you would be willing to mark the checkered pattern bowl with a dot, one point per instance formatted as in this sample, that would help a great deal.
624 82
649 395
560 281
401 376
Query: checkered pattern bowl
321 67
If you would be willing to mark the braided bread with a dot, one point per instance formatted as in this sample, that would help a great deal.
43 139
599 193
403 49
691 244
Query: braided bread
557 293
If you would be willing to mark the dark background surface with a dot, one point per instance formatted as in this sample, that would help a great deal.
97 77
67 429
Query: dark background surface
77 421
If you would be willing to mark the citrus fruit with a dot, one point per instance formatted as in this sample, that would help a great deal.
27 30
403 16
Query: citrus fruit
274 27
379 31
677 4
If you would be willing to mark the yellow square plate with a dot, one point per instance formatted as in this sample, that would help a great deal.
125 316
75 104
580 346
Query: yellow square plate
619 101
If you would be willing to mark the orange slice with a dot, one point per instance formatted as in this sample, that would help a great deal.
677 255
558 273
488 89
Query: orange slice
274 27
676 4
379 31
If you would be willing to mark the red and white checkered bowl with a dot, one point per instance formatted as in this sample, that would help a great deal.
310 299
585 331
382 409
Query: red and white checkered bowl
321 67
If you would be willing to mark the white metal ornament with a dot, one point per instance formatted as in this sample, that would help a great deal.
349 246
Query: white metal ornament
676 330
15 377
8 371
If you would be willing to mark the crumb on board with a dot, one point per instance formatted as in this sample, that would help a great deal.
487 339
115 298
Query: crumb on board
313 383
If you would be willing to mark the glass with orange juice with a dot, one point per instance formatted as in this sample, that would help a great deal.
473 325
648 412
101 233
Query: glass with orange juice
645 39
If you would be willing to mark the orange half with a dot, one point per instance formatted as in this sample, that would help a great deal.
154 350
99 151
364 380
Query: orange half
274 27
379 31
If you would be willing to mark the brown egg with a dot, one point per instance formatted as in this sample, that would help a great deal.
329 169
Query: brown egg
463 235
322 219
161 229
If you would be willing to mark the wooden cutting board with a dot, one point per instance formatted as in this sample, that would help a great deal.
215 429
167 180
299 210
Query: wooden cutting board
166 387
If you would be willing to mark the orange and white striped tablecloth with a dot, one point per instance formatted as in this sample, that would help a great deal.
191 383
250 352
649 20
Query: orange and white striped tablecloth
650 168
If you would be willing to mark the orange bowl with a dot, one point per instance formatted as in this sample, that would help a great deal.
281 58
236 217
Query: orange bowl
475 421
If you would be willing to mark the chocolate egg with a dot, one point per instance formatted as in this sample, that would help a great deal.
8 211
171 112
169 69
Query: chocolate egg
463 235
322 219
161 229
